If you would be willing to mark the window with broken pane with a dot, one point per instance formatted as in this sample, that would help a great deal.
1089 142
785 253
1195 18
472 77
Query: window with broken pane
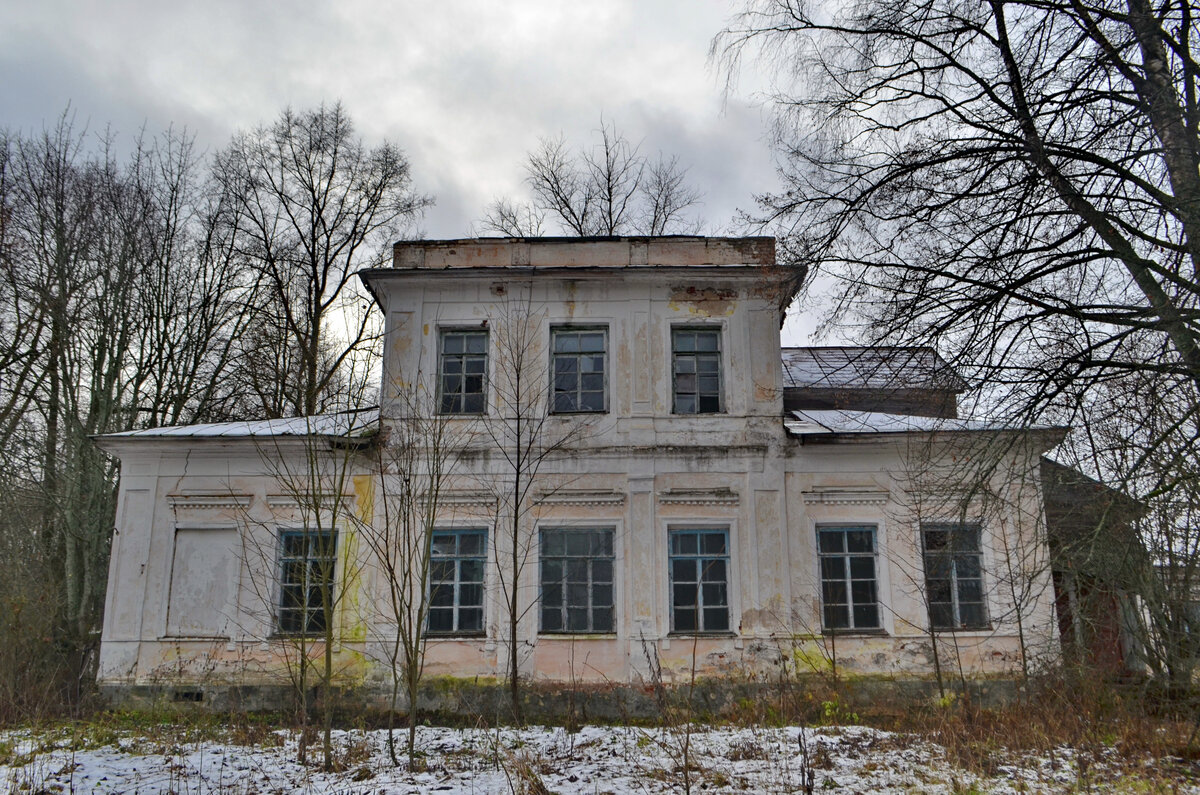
462 372
699 563
696 370
456 563
580 369
577 580
954 576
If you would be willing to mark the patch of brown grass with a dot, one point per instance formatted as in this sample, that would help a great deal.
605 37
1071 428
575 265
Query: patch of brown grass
254 733
1120 725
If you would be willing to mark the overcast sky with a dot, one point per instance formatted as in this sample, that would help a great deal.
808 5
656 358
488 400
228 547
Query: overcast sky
465 88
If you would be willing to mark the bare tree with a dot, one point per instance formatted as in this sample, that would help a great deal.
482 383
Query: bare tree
1016 180
23 322
105 295
609 189
512 219
527 438
306 572
307 204
193 300
414 461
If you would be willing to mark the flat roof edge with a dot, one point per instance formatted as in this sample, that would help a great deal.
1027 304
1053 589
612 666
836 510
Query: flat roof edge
560 239
624 251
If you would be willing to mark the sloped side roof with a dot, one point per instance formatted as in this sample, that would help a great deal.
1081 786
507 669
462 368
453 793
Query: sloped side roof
885 367
1090 526
344 424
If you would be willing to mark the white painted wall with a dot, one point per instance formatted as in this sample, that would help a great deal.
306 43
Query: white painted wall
193 577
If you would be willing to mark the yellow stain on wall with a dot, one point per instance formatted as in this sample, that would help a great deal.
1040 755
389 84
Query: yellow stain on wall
352 666
810 656
364 497
354 620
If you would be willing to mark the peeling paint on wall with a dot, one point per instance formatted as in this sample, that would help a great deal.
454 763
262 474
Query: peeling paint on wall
704 301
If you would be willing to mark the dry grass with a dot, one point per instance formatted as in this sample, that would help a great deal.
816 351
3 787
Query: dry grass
1100 723
1099 733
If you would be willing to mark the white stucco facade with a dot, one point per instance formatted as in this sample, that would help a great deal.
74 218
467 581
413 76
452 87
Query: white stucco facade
194 589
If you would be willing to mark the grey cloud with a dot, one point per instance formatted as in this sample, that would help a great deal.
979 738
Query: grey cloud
466 88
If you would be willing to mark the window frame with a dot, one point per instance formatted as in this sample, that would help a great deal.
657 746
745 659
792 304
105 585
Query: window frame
568 328
847 578
700 606
307 611
719 354
443 333
955 579
456 606
564 581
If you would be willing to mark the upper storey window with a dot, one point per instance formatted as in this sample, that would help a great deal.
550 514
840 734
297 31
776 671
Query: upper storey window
462 372
696 370
580 369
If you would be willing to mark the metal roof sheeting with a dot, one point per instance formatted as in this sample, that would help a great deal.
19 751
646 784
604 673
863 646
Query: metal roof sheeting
343 424
867 368
839 421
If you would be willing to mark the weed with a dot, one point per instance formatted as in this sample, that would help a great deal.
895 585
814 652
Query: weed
838 715
957 787
524 772
354 750
747 750
717 778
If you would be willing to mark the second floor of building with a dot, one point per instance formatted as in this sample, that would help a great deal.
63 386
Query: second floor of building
682 331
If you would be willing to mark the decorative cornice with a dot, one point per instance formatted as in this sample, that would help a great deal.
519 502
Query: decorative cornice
317 501
958 492
208 502
579 497
845 497
466 498
722 496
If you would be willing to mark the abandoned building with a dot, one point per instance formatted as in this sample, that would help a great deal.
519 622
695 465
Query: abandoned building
1099 565
629 468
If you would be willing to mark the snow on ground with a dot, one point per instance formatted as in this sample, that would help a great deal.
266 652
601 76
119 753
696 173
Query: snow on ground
596 759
